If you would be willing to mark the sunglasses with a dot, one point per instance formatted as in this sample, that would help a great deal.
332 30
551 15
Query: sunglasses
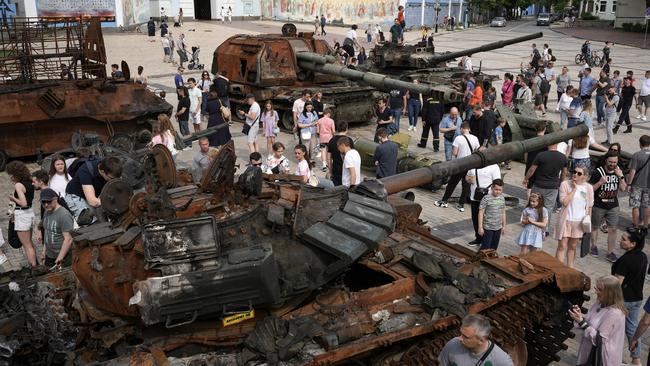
45 203
579 174
256 164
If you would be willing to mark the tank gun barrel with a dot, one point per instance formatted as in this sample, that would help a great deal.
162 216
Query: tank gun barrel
479 159
443 57
324 64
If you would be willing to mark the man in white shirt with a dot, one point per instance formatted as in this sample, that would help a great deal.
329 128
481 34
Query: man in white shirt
351 162
482 178
464 145
195 104
298 107
350 41
644 96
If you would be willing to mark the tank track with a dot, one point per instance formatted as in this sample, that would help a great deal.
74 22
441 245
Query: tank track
532 326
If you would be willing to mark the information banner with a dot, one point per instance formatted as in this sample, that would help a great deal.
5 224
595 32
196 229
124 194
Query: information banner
104 9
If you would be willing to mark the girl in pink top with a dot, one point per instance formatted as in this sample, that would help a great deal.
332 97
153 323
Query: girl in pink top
605 320
326 130
507 90
163 135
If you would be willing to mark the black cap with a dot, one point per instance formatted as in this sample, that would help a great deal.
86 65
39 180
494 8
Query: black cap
48 194
250 95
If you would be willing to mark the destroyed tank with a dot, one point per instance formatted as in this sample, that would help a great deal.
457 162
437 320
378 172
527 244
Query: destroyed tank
276 68
422 62
264 269
42 114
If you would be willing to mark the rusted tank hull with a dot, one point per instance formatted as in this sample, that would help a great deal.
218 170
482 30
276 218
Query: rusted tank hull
43 120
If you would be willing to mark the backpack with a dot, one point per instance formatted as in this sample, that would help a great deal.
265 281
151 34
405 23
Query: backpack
544 86
74 167
584 48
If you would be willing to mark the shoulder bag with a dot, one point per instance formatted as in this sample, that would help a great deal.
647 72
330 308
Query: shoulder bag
247 128
596 354
468 143
480 192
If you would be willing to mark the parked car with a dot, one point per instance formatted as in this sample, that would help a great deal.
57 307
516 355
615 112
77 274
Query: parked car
498 22
543 19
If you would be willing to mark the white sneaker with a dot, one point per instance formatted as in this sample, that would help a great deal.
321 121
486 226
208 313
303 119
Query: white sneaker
644 118
639 116
3 259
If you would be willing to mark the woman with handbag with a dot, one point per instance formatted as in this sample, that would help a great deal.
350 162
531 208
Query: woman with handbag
23 215
307 125
216 118
574 220
251 125
604 325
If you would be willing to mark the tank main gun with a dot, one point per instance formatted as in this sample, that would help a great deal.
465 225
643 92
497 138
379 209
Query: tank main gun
325 64
478 159
447 56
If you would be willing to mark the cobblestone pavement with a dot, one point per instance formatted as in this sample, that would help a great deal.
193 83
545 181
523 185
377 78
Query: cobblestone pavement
617 36
448 223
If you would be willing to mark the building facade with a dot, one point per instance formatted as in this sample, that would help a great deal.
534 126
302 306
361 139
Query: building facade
129 12
604 9
630 11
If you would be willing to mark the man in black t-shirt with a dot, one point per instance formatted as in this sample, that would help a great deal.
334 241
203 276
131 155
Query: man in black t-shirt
384 118
630 269
88 180
183 113
432 113
397 104
607 181
335 160
548 169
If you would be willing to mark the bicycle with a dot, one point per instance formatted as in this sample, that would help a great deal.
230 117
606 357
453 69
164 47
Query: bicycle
595 59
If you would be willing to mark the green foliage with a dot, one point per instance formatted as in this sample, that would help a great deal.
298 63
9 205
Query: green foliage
589 16
634 27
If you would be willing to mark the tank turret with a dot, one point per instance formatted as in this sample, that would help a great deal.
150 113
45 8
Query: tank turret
403 57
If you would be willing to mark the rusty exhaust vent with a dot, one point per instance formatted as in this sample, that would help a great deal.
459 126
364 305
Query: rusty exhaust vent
50 103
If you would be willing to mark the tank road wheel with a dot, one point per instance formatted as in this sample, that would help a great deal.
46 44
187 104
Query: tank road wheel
4 158
286 120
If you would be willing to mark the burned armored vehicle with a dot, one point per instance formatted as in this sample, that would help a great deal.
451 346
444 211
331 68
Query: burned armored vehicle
276 68
55 92
263 269
422 62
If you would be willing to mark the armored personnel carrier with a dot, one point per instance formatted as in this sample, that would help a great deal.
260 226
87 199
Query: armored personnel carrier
55 90
266 270
277 68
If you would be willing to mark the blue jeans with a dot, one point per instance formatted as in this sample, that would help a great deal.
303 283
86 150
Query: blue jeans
572 122
414 111
204 103
600 108
490 239
76 204
631 322
184 127
564 116
396 114
448 147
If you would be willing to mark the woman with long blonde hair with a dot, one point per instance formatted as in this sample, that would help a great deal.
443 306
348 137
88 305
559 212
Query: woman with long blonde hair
163 133
604 324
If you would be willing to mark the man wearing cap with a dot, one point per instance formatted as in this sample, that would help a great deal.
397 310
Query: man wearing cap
57 226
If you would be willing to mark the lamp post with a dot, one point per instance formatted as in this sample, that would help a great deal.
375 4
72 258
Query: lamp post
437 9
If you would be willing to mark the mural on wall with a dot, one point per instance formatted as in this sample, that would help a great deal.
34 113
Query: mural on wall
135 11
104 9
345 11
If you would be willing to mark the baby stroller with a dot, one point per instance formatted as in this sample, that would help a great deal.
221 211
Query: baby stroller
194 62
